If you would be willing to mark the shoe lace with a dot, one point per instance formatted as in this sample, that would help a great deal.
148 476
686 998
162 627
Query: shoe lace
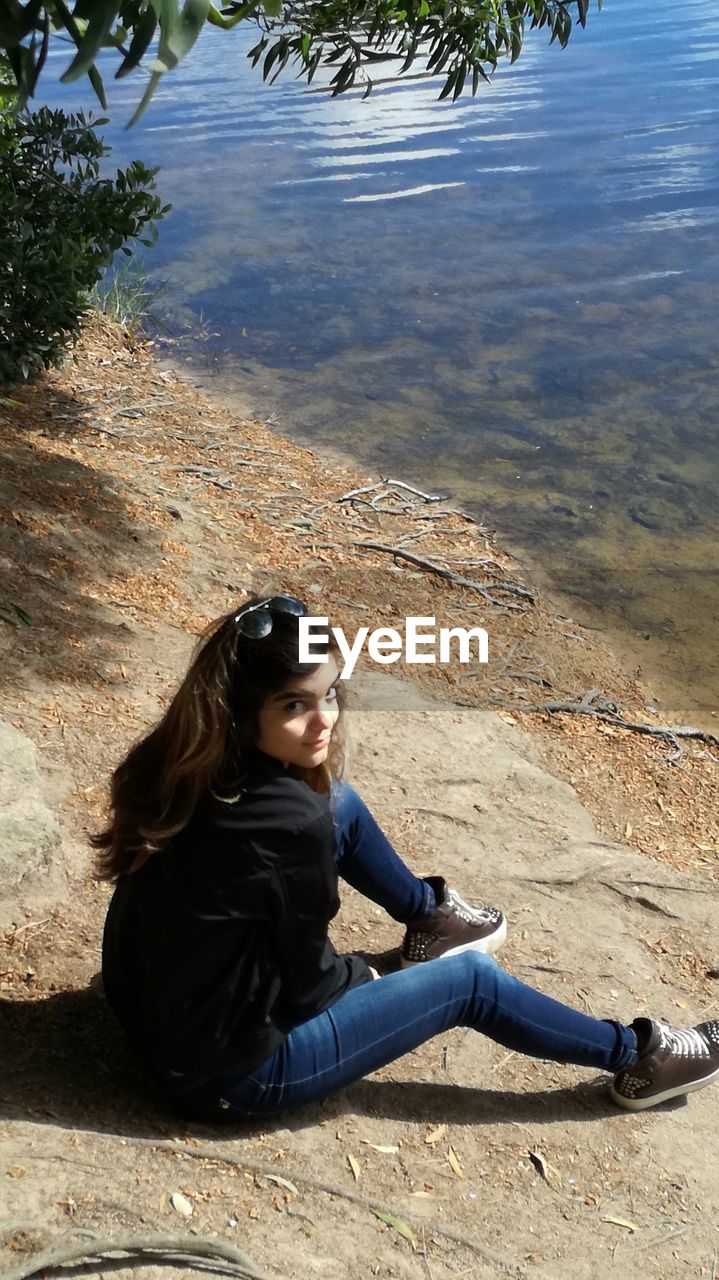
471 915
686 1044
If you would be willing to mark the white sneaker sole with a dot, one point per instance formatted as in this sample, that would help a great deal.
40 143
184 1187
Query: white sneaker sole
487 946
642 1104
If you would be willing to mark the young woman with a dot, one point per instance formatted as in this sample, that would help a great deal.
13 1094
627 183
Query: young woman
228 829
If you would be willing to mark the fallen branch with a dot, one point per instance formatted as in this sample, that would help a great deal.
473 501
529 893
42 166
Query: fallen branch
595 703
475 561
107 431
261 448
353 496
452 511
656 1240
437 514
428 497
385 511
413 537
394 484
226 1258
483 588
354 493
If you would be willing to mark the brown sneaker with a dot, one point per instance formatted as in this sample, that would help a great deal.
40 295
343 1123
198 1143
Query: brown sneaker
454 927
670 1063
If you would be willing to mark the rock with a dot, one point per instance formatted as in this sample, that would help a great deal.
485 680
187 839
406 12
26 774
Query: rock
181 1204
30 838
650 515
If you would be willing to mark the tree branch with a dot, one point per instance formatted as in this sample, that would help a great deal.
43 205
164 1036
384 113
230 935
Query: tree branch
226 1258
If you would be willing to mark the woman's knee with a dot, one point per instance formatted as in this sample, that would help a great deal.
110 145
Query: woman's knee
466 982
472 967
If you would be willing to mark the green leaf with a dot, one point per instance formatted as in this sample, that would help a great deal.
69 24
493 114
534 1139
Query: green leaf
227 21
459 83
451 82
142 106
271 59
95 79
103 15
257 51
140 43
398 1224
181 31
22 615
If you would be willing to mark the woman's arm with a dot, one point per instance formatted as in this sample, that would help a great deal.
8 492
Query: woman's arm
305 899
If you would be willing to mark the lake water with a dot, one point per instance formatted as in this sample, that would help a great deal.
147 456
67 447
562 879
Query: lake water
512 297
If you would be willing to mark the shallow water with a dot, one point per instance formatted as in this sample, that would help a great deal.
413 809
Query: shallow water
512 297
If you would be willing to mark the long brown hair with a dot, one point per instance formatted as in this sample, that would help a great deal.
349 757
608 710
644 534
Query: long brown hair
205 739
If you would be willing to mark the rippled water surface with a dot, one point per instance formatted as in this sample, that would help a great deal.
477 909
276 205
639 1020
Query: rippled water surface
513 296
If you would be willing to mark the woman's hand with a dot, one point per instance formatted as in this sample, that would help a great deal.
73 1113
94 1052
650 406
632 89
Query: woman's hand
373 971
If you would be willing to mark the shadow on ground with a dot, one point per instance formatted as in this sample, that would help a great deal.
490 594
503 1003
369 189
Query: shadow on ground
66 532
63 1060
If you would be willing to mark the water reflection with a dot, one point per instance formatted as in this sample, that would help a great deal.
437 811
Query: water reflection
513 296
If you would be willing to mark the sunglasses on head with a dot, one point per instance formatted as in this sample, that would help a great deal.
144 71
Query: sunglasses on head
255 621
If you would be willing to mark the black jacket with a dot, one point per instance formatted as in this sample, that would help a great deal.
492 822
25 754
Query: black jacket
217 946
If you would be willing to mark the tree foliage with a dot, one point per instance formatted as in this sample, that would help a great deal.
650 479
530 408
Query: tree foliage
61 226
460 39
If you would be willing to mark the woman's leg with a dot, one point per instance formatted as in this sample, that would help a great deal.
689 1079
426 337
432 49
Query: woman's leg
377 1023
367 860
439 922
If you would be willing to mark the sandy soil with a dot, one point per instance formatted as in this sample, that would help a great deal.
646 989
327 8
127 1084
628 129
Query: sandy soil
133 510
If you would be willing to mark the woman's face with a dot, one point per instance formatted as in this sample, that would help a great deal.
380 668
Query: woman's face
295 725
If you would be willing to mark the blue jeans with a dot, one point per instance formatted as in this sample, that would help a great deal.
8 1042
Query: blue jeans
367 861
372 1025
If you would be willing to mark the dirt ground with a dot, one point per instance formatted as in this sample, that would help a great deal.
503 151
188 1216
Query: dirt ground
132 511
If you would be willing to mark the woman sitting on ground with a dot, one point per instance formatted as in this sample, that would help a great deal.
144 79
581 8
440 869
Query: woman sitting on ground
229 828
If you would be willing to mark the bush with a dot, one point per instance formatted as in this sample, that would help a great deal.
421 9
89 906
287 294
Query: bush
61 227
